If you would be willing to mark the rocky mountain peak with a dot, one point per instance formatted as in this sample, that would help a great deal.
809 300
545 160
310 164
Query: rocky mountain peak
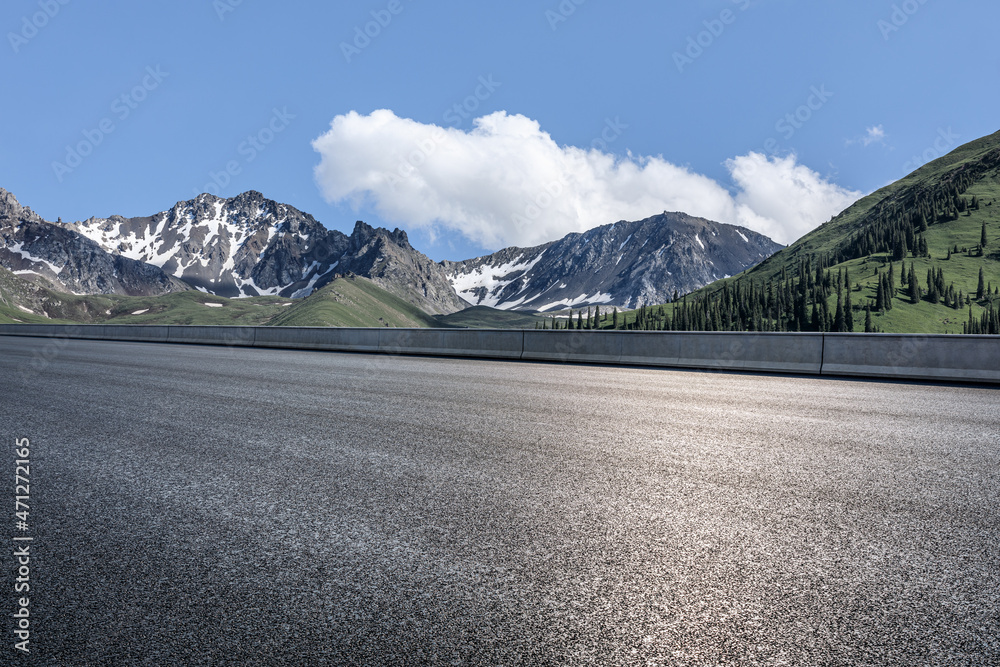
625 264
11 208
364 234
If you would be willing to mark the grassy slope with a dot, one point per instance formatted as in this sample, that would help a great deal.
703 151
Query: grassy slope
190 308
353 302
347 302
961 270
482 317
825 238
25 301
47 305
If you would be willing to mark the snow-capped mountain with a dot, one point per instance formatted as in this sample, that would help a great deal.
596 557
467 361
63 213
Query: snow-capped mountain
625 264
60 258
253 246
244 246
250 246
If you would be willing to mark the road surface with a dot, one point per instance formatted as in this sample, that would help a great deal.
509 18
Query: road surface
204 505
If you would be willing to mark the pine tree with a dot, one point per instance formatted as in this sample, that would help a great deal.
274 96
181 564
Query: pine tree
982 241
868 320
848 312
614 317
980 291
899 249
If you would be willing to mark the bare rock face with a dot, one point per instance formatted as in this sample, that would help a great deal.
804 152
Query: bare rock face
626 264
253 246
51 254
388 260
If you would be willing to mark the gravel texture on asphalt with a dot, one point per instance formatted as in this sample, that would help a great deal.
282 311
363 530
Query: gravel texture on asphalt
202 505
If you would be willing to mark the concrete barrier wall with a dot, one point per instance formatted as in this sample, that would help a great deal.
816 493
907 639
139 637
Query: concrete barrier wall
651 348
318 338
45 330
482 343
589 347
917 357
212 335
783 353
135 332
786 353
901 356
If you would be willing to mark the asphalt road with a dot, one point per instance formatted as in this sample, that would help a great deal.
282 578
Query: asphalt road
199 505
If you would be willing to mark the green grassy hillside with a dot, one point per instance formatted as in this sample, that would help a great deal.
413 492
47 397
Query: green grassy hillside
932 220
27 302
346 302
353 302
482 317
195 307
19 296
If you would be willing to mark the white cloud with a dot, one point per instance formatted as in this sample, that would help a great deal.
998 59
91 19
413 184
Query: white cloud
783 199
874 135
506 182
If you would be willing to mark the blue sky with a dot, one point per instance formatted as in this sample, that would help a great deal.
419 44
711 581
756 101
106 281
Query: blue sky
594 111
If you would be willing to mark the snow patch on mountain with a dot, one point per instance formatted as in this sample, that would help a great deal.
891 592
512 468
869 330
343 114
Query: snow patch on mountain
18 248
599 268
492 279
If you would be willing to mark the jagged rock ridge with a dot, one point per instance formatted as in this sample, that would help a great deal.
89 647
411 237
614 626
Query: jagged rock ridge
52 255
252 246
625 264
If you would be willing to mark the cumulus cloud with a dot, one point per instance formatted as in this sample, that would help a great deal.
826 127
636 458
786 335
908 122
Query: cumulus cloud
783 199
507 182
